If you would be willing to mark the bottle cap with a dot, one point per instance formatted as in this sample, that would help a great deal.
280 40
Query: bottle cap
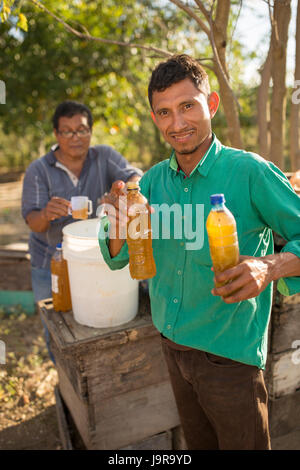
58 246
132 185
217 199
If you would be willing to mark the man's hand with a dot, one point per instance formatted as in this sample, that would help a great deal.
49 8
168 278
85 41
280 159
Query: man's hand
39 220
114 205
57 207
246 280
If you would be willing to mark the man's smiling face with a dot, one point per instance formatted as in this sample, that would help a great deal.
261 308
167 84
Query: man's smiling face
183 115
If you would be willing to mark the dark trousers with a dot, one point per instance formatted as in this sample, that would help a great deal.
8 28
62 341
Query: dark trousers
222 403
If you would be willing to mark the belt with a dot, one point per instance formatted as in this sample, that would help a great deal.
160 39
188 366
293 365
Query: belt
179 347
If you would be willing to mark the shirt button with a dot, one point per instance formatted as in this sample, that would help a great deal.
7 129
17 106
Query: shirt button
179 272
175 301
181 243
186 189
169 327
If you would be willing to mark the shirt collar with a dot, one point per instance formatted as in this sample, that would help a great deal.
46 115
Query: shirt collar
206 161
51 158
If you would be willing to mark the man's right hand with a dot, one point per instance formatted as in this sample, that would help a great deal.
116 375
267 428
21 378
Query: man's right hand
57 207
114 205
39 220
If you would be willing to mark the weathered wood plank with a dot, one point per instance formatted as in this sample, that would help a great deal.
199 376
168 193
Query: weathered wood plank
71 336
81 412
104 337
123 420
125 368
62 422
6 253
74 371
285 323
284 374
178 439
284 414
289 441
161 441
55 323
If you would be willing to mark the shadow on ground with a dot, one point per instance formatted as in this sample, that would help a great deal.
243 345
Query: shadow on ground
40 432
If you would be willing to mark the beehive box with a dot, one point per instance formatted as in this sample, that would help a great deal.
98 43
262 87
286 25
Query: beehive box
282 373
15 270
15 280
114 381
283 368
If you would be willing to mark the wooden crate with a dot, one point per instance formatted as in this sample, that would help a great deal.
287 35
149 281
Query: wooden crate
71 439
15 270
114 381
283 367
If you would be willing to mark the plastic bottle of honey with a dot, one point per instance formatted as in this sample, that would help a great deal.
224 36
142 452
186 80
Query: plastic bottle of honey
60 282
222 235
139 235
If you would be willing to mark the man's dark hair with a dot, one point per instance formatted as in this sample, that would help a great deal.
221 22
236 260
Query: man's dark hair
174 70
70 109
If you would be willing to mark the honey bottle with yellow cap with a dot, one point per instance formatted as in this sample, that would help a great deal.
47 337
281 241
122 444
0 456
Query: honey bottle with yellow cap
139 234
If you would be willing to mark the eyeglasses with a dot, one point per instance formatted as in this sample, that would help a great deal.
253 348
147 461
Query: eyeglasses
79 133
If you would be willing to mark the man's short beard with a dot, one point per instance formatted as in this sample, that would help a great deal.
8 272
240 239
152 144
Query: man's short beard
188 152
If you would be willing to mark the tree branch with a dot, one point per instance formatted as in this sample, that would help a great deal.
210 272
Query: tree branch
202 9
216 55
274 26
89 37
192 14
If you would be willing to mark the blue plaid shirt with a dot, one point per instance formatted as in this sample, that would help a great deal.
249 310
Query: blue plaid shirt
46 177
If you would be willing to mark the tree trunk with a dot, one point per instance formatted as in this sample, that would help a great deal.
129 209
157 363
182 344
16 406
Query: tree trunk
263 108
279 38
294 120
219 30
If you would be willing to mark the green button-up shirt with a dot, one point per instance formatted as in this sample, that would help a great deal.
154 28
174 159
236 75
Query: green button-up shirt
183 308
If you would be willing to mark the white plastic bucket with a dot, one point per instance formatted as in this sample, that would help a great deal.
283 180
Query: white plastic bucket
101 297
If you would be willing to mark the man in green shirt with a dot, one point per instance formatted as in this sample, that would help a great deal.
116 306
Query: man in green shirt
214 339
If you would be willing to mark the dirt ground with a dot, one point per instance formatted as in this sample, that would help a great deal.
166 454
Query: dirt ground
12 226
27 379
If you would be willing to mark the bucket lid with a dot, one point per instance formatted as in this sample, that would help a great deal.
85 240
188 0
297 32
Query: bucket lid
84 229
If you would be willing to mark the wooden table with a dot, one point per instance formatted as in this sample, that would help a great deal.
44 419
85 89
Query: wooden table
114 381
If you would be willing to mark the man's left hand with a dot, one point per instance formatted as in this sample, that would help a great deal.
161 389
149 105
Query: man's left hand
244 281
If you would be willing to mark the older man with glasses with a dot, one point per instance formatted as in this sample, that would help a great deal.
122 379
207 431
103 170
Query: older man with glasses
71 168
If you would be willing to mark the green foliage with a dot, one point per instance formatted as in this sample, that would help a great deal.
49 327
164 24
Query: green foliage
46 64
8 9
